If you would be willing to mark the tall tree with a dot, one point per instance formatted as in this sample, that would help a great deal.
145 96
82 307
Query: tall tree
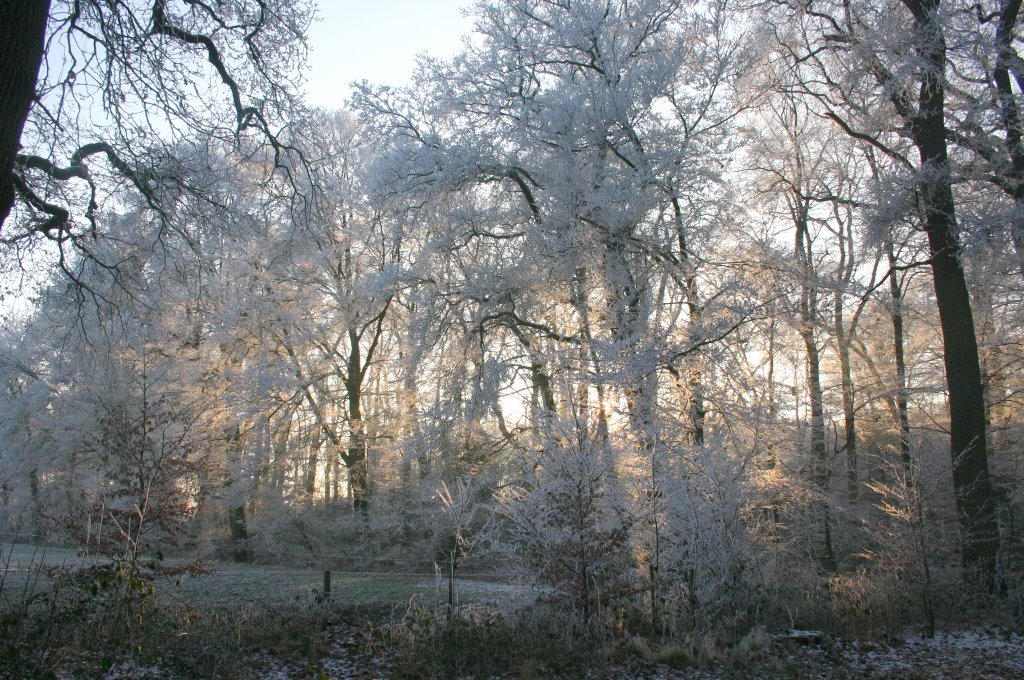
792 159
908 83
584 142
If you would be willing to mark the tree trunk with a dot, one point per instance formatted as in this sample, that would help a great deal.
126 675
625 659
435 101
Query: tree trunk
355 459
695 376
588 353
845 270
312 463
902 411
23 27
239 533
627 315
849 412
971 481
820 463
237 527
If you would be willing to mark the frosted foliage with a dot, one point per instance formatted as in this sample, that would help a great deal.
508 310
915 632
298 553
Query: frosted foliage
570 522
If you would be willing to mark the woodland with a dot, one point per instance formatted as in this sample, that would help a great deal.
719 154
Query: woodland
702 317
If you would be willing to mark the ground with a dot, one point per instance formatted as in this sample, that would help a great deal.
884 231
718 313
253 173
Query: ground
352 640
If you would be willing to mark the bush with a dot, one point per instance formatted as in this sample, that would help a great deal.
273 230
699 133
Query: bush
570 523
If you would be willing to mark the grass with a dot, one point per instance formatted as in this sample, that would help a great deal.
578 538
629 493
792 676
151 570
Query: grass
227 623
245 621
230 583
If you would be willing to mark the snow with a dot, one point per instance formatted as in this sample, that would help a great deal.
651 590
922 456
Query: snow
978 654
949 655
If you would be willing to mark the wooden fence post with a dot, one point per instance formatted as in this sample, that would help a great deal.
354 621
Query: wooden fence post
451 587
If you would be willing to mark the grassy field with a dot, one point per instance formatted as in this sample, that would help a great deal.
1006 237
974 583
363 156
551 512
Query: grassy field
235 620
232 583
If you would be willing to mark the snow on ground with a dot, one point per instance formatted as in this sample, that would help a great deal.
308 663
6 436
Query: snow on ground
961 655
969 654
976 654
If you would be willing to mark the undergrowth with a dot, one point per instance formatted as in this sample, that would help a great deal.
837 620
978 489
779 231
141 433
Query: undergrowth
88 621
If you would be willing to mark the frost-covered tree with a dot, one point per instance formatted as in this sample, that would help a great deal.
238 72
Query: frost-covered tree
575 150
880 71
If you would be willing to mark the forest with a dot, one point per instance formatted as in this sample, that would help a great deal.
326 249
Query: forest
699 319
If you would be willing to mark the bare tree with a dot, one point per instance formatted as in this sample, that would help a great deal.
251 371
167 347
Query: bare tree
99 96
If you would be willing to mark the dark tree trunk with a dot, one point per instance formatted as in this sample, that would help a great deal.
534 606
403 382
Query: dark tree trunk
971 481
847 264
237 525
239 533
695 376
23 27
312 463
1009 112
544 394
355 460
849 409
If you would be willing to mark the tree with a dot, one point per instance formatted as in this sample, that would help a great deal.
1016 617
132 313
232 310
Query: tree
867 88
96 96
578 148
571 522
798 182
24 24
126 416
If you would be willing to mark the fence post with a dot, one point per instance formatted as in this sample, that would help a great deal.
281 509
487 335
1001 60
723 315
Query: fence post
327 584
451 587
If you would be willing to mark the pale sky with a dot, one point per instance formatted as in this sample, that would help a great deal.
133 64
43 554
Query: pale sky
378 40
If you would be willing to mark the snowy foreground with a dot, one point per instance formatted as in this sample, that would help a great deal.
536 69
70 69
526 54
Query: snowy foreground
964 654
975 655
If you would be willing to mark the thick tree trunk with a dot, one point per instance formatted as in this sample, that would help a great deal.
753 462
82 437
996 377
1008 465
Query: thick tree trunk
23 27
239 533
971 481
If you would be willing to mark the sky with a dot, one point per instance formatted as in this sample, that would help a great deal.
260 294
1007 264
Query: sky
378 40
